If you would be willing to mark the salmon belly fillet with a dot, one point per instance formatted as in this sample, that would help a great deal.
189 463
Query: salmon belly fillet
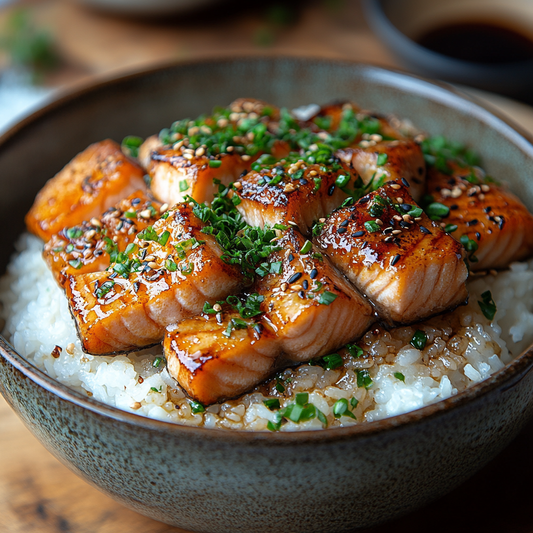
406 265
93 181
170 272
91 245
295 193
307 310
214 358
495 226
193 156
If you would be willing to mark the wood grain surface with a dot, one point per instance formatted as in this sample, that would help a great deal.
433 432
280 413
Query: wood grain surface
38 493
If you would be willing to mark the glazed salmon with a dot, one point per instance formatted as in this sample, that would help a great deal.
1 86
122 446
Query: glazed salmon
307 309
384 161
170 273
214 358
89 246
93 181
489 220
149 146
293 193
308 303
220 147
395 255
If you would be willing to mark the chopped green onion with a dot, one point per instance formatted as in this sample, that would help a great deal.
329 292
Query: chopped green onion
450 228
400 376
196 407
183 185
130 214
419 339
170 265
364 379
214 163
371 226
415 212
104 288
302 398
163 238
437 210
341 408
382 159
354 402
75 263
342 180
487 305
157 362
279 386
354 350
272 404
306 248
327 298
330 362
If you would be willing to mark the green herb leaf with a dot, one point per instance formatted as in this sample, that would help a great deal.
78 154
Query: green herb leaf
196 407
101 291
450 228
354 350
215 163
364 379
415 212
157 362
371 226
341 408
437 210
487 305
332 361
272 404
419 339
400 376
306 248
183 186
327 298
382 159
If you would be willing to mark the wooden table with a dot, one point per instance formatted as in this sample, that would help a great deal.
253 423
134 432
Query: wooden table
39 494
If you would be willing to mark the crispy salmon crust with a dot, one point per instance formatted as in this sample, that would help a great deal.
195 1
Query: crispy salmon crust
394 254
87 247
174 270
489 215
93 181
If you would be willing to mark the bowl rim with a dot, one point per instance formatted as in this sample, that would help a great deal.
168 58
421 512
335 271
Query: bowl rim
505 378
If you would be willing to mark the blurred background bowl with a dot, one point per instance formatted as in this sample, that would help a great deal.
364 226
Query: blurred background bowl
137 8
402 23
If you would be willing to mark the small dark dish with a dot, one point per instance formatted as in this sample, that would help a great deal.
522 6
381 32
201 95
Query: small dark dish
214 480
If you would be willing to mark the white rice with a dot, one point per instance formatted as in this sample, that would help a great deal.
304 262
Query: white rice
463 348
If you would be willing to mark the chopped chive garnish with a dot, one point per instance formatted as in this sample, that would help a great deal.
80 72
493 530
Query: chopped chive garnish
306 248
342 180
131 144
215 163
160 389
170 265
276 267
332 361
371 226
341 408
437 210
157 362
450 228
183 185
130 214
400 376
196 407
419 339
318 183
354 350
327 298
104 288
364 379
272 404
322 417
415 212
279 386
274 426
75 263
354 402
382 159
302 398
318 286
163 238
487 305
187 269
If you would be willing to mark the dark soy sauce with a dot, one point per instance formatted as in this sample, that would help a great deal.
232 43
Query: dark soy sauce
481 42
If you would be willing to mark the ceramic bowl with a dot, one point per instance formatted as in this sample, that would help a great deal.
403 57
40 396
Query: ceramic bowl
221 481
398 23
142 8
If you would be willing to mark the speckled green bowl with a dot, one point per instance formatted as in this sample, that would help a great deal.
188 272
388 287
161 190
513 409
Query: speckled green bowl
223 481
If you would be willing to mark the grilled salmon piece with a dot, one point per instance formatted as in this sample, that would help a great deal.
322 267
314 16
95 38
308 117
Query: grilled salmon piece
219 147
497 225
93 181
395 255
309 305
220 357
88 247
295 193
170 273
149 146
389 161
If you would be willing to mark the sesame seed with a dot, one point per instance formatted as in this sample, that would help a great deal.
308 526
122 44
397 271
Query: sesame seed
295 277
456 192
395 259
70 348
397 217
405 182
289 187
90 234
291 223
305 284
296 287
152 265
418 219
150 258
399 199
395 186
146 213
96 222
188 156
481 196
396 231
388 239
136 405
314 273
163 208
342 230
199 152
284 286
407 218
424 230
313 173
445 193
344 224
358 234
485 188
217 308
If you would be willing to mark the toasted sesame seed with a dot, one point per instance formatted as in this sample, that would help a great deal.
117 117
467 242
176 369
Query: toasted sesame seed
399 199
70 348
222 122
379 222
230 148
424 230
163 208
188 156
388 239
322 220
376 137
481 196
199 152
96 222
418 219
405 182
150 258
153 265
395 186
56 352
395 259
136 405
291 223
364 144
397 217
446 192
289 187
296 287
145 213
90 234
396 231
485 188
407 218
313 173
284 286
217 308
